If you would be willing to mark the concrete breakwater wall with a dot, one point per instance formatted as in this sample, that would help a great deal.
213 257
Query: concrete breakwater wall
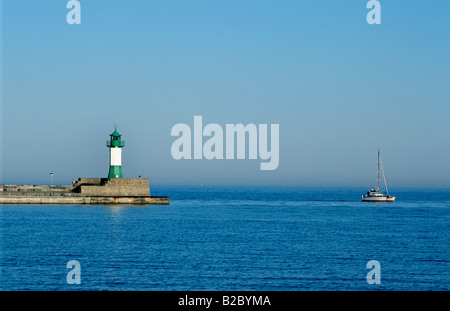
84 191
63 200
34 188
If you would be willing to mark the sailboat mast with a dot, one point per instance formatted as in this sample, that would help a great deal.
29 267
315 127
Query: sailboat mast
378 189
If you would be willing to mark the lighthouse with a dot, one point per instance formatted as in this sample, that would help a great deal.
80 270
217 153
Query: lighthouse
115 144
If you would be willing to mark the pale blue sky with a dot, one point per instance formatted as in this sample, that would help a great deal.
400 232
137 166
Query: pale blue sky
338 87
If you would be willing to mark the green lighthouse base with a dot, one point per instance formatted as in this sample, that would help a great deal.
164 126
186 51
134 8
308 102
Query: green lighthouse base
115 172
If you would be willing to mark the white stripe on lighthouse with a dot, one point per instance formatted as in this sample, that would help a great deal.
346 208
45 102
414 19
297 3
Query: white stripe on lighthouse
116 156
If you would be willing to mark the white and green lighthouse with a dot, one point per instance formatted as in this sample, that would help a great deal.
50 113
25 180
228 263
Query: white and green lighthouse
115 144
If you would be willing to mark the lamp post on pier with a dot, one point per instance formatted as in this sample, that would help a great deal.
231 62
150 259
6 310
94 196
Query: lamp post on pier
51 184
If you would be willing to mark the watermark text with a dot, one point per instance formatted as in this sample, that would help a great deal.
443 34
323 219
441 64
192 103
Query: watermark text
235 142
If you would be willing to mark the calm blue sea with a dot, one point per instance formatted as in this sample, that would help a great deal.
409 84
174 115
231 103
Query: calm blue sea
233 238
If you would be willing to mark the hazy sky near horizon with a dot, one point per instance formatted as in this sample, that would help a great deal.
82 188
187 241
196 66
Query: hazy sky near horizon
338 87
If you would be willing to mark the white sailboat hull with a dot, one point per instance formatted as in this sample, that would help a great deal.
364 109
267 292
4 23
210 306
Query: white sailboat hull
378 199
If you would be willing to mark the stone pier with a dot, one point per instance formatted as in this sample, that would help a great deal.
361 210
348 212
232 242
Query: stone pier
84 191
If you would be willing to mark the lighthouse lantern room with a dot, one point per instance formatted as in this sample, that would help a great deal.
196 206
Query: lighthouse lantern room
115 144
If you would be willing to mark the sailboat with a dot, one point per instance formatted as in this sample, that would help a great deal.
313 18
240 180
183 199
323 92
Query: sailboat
375 195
